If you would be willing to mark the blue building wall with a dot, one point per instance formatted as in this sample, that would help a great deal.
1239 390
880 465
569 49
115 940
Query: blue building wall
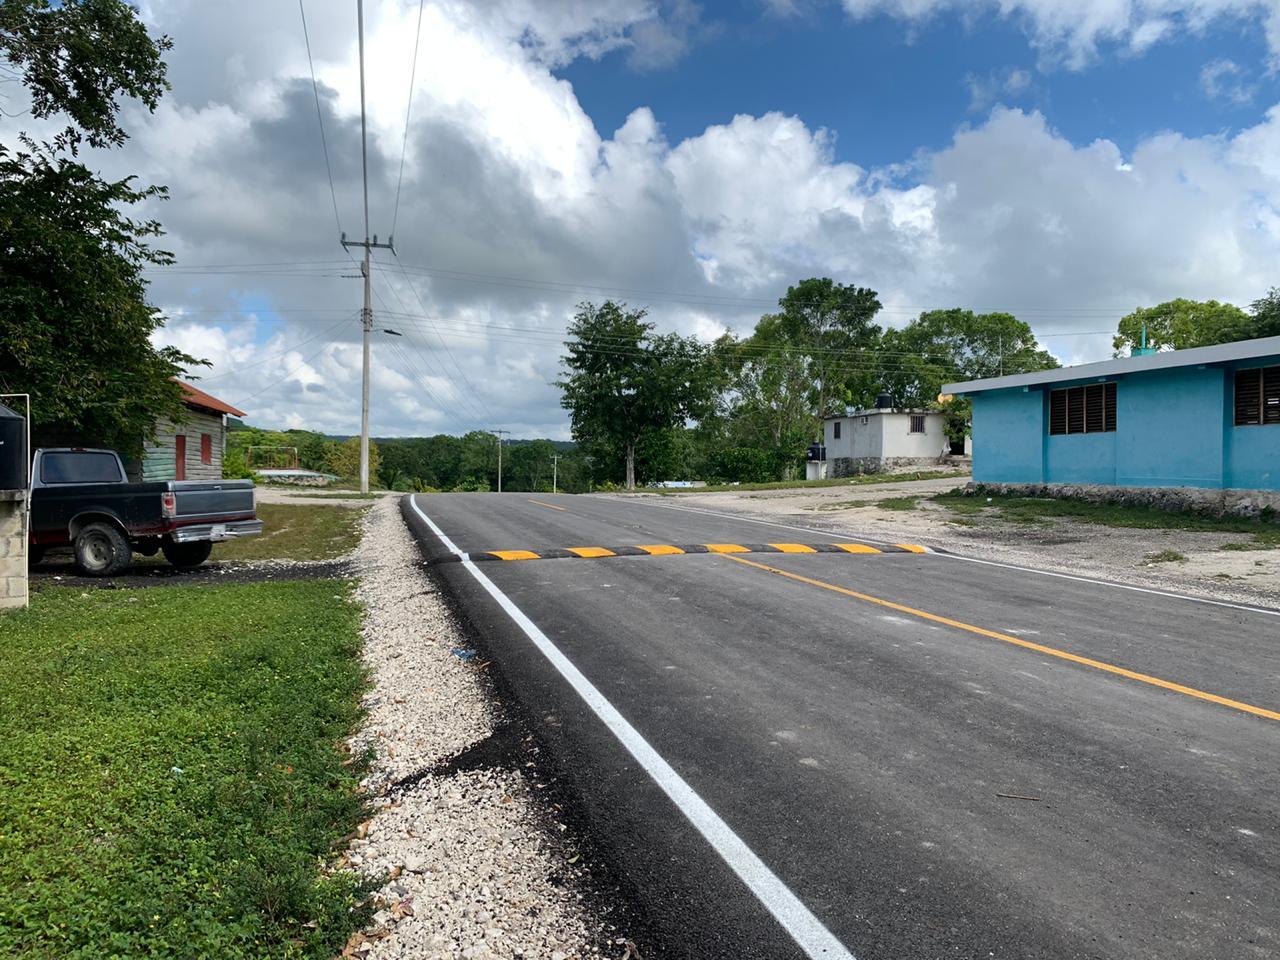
1017 419
1174 428
1169 428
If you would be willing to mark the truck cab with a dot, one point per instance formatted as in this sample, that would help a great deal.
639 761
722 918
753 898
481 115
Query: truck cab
82 498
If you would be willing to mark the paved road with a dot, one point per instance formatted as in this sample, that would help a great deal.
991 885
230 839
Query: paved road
868 729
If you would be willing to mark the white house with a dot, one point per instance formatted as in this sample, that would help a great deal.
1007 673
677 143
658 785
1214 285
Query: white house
883 439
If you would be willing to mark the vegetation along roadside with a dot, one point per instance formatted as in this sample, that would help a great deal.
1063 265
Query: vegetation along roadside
171 778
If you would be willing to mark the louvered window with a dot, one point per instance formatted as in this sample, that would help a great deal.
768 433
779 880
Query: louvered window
1258 396
1089 409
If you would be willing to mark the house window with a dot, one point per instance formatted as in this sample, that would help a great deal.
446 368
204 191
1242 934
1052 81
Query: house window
206 448
836 434
1257 396
917 423
1089 409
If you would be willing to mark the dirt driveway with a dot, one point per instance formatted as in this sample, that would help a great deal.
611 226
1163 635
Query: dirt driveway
1190 561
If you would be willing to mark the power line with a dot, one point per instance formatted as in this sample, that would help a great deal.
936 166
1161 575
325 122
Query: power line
315 89
279 353
443 342
408 110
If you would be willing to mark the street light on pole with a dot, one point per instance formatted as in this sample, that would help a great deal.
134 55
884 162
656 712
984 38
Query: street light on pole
555 462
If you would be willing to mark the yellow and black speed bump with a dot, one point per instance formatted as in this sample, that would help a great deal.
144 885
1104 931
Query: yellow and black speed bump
672 550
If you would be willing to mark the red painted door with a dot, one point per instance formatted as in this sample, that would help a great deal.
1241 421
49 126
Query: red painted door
180 457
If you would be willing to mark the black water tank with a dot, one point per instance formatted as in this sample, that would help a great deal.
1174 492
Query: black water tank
817 452
884 401
13 450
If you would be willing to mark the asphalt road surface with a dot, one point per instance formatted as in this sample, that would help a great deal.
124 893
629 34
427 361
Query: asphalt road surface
883 755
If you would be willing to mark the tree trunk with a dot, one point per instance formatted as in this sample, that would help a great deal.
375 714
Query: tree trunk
631 466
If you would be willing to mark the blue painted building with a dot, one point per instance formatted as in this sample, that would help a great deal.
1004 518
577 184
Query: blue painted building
1207 417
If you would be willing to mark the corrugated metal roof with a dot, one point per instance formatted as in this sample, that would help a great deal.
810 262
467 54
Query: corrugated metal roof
198 398
1169 359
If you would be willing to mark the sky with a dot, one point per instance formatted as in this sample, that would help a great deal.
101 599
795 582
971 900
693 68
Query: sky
1064 160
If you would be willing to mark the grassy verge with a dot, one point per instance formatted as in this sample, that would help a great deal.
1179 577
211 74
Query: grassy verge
1035 510
814 484
348 495
297 531
170 779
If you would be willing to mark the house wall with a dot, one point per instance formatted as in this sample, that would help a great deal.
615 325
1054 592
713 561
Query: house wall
897 440
1169 428
158 462
1009 432
1174 428
13 549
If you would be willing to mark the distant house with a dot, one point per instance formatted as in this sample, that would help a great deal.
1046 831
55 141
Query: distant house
883 439
1207 417
192 450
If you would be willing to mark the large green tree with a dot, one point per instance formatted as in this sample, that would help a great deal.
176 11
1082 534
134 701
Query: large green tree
1181 324
832 327
75 326
1264 319
623 382
942 346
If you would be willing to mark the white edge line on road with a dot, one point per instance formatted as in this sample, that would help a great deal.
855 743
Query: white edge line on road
1080 578
803 927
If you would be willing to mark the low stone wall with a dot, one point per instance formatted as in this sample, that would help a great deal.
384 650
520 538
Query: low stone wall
1251 504
13 549
853 466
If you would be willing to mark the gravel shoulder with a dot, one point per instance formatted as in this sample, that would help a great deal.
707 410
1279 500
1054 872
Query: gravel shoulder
476 860
1061 544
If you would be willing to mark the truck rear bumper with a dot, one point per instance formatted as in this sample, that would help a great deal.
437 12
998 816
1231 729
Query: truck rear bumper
216 531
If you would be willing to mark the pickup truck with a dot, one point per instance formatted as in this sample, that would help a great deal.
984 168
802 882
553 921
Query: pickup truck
82 498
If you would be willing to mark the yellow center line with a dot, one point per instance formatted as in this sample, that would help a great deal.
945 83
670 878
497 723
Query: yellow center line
1019 642
551 505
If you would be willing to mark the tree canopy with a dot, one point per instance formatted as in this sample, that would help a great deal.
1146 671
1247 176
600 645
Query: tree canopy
75 327
1181 324
624 383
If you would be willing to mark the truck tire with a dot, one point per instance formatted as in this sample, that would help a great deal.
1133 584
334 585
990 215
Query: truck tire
183 555
35 555
102 550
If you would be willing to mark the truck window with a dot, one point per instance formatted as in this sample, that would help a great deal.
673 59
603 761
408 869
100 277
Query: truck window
79 467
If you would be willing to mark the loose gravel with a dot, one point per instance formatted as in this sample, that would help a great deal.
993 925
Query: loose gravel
474 861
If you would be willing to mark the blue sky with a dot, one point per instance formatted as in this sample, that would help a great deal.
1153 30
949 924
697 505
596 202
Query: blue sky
889 89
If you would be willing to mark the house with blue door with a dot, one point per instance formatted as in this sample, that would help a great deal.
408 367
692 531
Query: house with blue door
1207 417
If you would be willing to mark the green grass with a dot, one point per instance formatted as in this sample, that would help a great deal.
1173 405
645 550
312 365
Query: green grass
1036 510
814 484
297 531
1166 556
897 503
171 783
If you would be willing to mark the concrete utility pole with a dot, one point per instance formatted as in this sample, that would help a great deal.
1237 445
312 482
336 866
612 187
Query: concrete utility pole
498 434
555 462
366 314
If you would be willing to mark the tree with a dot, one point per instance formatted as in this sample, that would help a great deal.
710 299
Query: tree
1265 316
833 327
943 346
624 382
75 328
344 458
1181 324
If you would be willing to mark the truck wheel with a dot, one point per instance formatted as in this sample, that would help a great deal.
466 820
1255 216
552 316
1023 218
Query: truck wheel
187 554
35 555
102 550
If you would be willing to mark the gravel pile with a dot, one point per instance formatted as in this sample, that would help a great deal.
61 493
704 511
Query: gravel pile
474 865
